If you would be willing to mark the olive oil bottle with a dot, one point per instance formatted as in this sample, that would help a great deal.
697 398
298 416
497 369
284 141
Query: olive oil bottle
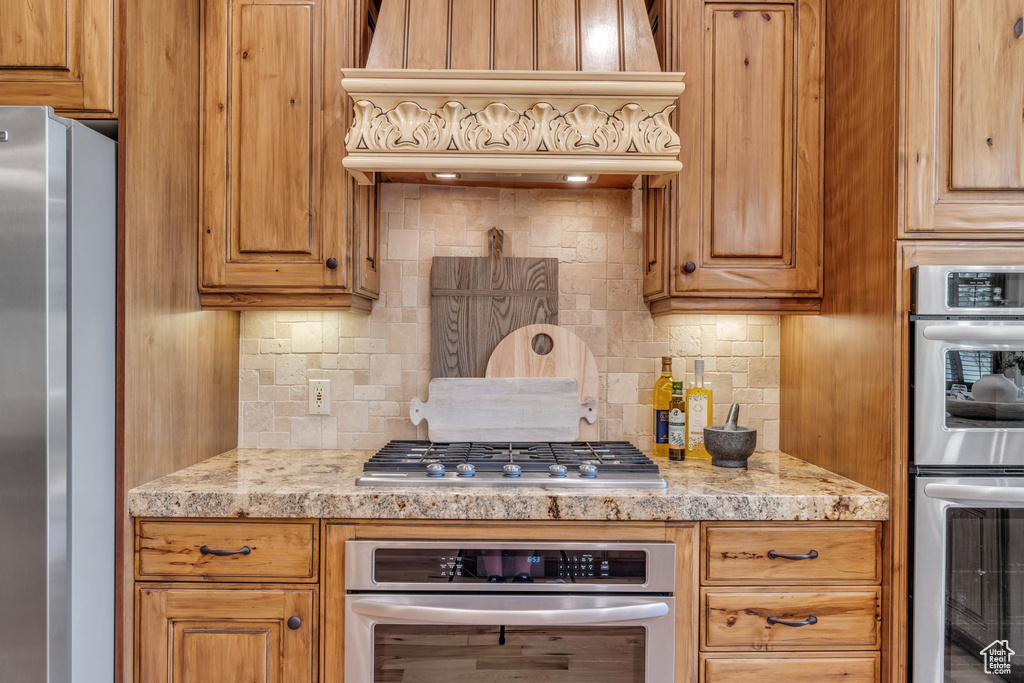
677 423
662 399
698 414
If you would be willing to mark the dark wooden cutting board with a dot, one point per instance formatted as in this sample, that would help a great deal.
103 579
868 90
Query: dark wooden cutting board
476 301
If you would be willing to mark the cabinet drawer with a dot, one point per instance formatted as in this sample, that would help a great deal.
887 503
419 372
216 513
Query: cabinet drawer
206 551
821 668
780 554
753 620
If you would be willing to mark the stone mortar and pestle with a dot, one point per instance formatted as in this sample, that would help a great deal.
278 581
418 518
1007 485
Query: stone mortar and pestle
729 445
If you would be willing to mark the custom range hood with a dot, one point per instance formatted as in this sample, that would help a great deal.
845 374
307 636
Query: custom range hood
513 92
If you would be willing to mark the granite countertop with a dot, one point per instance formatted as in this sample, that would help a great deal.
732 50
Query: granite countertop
275 483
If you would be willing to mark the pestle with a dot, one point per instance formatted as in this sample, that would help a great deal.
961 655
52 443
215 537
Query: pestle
734 417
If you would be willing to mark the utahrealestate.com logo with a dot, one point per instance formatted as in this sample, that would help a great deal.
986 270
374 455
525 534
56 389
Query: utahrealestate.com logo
997 657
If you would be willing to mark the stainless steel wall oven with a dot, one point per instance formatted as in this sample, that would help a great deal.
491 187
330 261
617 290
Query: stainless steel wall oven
442 611
967 491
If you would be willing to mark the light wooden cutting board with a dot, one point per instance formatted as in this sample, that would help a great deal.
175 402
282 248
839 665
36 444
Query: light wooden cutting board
502 410
514 356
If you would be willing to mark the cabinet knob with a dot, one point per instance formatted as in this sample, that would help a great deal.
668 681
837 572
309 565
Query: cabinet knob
689 267
332 263
294 623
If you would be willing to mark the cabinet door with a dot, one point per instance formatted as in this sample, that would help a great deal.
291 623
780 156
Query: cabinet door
279 214
58 53
198 636
749 205
964 125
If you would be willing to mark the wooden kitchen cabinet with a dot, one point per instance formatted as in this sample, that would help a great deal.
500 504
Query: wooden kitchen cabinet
58 53
199 635
740 228
282 225
963 162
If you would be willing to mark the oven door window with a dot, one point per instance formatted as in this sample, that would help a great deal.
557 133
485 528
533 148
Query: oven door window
984 595
984 389
559 654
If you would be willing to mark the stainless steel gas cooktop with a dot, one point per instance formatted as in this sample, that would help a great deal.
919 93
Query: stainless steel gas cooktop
595 464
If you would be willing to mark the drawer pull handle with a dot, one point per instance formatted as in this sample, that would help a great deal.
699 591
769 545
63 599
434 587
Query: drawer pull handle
772 555
294 623
810 621
207 550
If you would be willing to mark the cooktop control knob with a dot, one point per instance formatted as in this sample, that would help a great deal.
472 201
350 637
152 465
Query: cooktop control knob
466 470
589 471
556 470
512 470
435 469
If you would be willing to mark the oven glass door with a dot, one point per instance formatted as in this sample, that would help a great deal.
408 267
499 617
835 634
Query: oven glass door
441 638
969 603
969 392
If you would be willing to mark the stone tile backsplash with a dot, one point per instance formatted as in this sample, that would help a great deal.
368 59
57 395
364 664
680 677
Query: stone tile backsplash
378 363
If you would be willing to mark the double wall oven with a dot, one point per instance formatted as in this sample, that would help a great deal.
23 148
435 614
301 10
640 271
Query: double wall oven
444 611
967 491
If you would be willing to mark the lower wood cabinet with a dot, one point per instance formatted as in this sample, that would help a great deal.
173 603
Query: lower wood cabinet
202 635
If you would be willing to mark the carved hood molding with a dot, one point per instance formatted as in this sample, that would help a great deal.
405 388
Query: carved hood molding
590 116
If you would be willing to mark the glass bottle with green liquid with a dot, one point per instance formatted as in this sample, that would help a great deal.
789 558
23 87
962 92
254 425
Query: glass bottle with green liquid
662 401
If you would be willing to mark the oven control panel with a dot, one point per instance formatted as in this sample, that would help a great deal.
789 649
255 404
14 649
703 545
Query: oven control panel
510 565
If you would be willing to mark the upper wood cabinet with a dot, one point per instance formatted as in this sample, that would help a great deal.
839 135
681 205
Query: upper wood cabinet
282 225
200 635
964 117
740 229
58 53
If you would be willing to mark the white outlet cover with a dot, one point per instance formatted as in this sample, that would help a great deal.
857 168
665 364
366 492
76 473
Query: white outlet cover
319 397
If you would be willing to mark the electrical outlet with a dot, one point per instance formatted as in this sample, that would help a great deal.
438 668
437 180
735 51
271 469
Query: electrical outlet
319 397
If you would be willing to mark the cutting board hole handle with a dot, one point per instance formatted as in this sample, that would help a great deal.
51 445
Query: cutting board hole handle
542 344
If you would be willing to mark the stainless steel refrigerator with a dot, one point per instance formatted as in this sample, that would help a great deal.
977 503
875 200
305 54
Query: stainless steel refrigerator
57 377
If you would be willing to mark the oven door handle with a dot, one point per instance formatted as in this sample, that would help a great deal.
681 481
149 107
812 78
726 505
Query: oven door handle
1000 333
391 612
982 496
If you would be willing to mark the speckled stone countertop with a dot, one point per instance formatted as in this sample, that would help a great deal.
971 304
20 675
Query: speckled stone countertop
321 483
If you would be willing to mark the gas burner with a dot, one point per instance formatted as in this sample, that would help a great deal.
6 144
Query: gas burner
595 464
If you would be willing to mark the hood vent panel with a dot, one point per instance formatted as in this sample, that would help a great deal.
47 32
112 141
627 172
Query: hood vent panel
479 87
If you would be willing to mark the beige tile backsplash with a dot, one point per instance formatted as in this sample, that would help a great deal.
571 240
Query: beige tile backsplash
377 364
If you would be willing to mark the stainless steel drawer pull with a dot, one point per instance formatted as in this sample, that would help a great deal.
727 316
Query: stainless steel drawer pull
772 555
810 621
207 550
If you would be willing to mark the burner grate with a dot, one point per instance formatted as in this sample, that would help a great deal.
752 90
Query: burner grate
617 456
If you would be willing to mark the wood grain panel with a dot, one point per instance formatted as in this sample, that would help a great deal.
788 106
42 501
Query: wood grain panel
471 35
639 52
735 619
427 43
491 297
557 45
178 366
274 131
34 33
858 436
196 635
938 56
750 80
987 148
846 667
387 49
511 52
601 38
277 550
847 554
737 267
60 53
